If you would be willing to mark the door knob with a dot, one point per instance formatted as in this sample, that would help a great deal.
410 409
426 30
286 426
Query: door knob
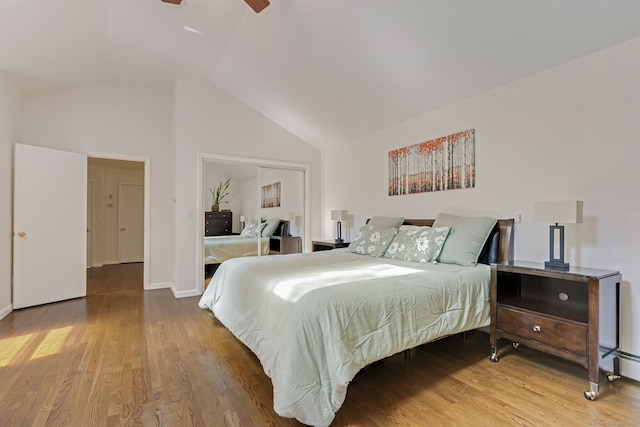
22 234
123 229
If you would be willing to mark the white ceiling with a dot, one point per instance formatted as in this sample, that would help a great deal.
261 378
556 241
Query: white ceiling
327 70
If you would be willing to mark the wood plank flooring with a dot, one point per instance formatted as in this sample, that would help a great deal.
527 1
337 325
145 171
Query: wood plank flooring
135 358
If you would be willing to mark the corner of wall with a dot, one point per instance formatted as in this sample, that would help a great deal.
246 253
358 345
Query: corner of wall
5 311
160 285
185 294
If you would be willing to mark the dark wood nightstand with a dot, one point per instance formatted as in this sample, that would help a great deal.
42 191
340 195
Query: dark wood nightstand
571 314
325 245
282 245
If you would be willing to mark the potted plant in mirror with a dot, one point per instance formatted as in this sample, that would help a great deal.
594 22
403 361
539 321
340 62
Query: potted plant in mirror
219 193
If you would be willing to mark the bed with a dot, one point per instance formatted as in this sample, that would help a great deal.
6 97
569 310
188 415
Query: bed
221 248
315 319
218 249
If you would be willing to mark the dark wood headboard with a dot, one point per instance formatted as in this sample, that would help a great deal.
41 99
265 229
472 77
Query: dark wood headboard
499 245
283 228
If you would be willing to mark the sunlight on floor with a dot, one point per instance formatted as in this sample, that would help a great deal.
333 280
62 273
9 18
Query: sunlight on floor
10 347
52 343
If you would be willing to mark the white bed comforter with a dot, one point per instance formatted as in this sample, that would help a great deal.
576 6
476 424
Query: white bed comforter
218 249
314 320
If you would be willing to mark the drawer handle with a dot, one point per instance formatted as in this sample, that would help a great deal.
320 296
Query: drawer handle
536 328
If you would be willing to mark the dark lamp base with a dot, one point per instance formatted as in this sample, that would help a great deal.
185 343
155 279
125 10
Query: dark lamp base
555 265
339 241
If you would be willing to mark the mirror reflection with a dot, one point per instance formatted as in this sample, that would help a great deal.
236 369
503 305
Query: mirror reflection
251 210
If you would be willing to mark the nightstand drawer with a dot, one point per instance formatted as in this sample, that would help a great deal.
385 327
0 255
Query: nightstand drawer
566 335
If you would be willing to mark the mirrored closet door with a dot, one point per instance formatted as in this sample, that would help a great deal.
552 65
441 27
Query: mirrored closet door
282 198
251 209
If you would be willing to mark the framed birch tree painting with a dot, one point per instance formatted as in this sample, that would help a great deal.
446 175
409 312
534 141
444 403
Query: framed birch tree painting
444 163
270 196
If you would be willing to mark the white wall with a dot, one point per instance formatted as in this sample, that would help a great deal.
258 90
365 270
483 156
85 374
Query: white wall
209 120
10 102
567 133
118 120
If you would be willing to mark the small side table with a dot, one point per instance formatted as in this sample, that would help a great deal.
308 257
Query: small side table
572 314
325 245
282 245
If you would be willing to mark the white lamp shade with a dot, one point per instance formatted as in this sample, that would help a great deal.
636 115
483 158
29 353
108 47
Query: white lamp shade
564 212
292 216
339 215
243 218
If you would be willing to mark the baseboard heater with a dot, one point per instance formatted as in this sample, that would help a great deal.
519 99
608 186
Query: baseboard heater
628 356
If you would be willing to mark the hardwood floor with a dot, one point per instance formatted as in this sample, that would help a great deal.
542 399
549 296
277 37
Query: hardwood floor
115 278
136 358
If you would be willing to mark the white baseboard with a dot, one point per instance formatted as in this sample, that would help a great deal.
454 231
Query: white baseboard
110 262
5 311
630 366
159 285
184 294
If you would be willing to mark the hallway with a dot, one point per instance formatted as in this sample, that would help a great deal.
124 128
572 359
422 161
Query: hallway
115 278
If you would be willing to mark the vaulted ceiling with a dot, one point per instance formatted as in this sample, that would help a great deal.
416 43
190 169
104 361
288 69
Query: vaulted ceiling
327 70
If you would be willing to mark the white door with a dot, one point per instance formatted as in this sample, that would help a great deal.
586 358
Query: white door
50 225
131 222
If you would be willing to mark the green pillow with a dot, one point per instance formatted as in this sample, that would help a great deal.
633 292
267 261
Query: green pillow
420 244
270 227
386 221
466 238
371 240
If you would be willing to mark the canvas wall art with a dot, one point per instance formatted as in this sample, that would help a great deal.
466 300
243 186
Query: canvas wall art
270 195
444 163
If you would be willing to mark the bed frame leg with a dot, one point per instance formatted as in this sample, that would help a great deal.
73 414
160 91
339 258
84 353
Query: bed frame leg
407 355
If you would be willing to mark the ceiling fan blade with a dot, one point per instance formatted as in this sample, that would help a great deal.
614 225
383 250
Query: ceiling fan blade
177 2
257 5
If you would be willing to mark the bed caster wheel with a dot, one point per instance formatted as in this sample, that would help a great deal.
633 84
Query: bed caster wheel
612 377
515 345
494 354
592 392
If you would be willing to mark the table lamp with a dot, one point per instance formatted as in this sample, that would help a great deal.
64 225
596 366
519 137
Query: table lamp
339 216
560 212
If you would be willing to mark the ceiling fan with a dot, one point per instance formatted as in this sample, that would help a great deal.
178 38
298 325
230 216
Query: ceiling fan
257 5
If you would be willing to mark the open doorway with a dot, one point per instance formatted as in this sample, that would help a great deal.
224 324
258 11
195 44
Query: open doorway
115 225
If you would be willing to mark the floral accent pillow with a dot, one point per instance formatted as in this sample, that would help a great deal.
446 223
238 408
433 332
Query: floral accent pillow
422 244
251 230
371 240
